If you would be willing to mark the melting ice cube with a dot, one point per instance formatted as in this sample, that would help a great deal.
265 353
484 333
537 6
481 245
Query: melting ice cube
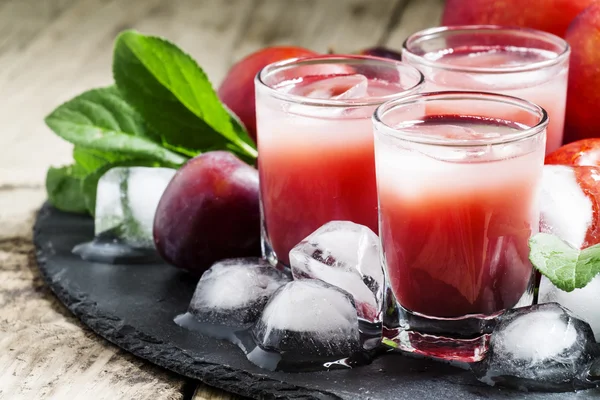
542 347
306 321
346 255
340 87
234 292
335 87
584 302
126 202
565 209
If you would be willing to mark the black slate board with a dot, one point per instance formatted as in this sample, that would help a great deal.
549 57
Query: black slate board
133 306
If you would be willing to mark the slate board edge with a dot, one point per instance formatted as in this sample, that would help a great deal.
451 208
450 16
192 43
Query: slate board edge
143 346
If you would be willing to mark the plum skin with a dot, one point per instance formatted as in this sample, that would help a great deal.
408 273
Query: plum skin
383 52
208 212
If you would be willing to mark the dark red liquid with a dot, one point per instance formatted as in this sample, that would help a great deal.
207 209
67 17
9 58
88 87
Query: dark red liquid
457 249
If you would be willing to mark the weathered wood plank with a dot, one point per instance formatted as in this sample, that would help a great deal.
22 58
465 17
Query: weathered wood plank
74 53
207 30
417 15
23 20
44 352
207 393
342 25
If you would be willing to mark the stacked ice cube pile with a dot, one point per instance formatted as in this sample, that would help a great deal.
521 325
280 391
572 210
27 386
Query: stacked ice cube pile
310 320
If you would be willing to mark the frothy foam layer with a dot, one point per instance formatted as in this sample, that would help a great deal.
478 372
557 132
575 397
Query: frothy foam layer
414 169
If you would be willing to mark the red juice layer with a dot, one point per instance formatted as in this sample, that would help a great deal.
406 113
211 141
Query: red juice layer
317 164
454 252
302 190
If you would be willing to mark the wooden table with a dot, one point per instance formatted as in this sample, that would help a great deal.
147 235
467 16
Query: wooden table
51 50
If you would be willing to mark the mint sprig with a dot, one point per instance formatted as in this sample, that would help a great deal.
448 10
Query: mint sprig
174 95
566 267
100 119
162 111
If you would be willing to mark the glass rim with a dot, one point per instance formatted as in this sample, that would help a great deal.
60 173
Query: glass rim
395 132
259 80
431 33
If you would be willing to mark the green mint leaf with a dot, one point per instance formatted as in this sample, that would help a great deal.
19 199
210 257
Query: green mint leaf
63 186
90 160
100 119
89 184
174 95
565 266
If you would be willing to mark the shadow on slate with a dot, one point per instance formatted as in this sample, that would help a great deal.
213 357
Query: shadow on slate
133 306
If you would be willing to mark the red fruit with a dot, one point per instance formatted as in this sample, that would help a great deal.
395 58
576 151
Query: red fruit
569 204
583 96
588 178
237 89
551 16
208 212
582 152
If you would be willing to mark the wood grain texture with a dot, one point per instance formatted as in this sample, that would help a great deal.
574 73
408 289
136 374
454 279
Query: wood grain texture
52 50
416 15
341 25
45 353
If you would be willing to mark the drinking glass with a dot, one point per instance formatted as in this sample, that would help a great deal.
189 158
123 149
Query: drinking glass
315 141
520 62
458 187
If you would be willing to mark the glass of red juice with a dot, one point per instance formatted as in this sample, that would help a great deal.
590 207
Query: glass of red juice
458 188
315 143
520 62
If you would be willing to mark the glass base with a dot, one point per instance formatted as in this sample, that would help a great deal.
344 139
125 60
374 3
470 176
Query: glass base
464 339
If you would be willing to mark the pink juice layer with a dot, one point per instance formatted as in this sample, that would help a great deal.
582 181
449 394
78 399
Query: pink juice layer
455 232
546 87
316 164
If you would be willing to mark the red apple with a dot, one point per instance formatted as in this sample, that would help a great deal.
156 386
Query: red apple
237 89
582 152
208 212
551 16
583 97
569 204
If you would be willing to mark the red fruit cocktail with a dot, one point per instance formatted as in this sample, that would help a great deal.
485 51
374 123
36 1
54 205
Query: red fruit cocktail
520 62
458 190
315 143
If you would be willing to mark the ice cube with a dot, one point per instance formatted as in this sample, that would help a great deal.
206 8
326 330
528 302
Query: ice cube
584 302
335 87
126 201
233 292
346 255
565 209
445 131
541 347
340 87
306 321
